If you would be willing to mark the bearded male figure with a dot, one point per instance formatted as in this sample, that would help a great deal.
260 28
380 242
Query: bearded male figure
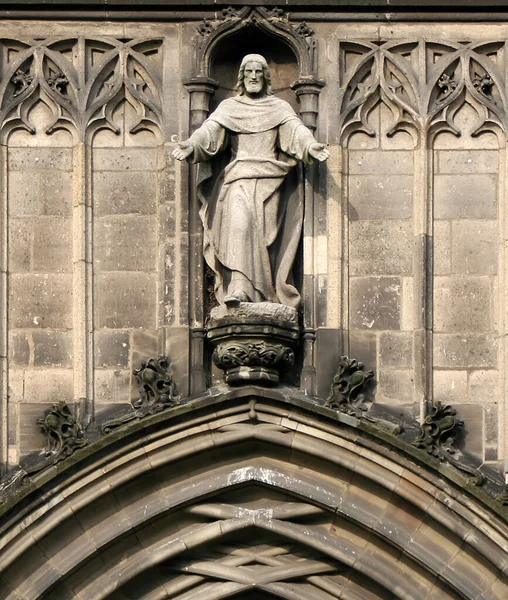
251 231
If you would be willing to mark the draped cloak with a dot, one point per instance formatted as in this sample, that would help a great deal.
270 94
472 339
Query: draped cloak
249 226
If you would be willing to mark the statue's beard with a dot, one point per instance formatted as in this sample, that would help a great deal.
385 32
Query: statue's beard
253 87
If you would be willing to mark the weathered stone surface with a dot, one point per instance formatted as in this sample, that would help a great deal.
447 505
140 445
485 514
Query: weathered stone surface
52 348
468 161
41 301
442 248
450 387
19 347
44 193
473 418
377 197
126 159
466 350
375 303
463 304
465 197
111 348
126 300
395 387
52 245
381 248
483 386
125 193
125 243
367 162
363 346
475 247
112 386
36 159
48 385
396 350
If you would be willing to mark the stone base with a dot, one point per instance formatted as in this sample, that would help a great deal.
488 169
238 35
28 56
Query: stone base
253 342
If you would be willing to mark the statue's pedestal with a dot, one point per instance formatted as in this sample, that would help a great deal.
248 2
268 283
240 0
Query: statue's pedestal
254 341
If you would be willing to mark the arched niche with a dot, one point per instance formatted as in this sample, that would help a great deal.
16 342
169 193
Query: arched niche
229 52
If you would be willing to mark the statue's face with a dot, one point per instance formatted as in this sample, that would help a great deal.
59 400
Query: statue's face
253 78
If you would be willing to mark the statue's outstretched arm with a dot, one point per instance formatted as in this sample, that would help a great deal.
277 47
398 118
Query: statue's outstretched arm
203 144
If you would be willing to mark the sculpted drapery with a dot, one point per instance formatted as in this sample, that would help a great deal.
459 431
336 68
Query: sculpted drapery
251 227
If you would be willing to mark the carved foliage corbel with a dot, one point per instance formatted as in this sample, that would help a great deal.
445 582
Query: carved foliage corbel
349 389
157 392
437 437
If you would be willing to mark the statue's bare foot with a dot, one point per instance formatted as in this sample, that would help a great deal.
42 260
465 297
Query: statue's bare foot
235 298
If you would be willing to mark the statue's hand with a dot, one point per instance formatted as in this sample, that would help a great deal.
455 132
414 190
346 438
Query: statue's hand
319 152
183 150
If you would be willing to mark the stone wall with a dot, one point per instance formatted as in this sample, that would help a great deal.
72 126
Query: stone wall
403 255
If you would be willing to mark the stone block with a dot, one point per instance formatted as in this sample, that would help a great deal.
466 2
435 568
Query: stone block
125 159
396 350
52 348
126 300
375 197
112 386
475 247
177 350
463 304
395 387
20 245
450 386
327 349
40 193
19 348
48 385
492 419
363 347
125 193
442 248
468 161
375 303
381 248
125 243
144 345
466 351
473 418
30 436
367 162
167 222
52 245
483 386
56 193
111 348
465 196
30 159
41 300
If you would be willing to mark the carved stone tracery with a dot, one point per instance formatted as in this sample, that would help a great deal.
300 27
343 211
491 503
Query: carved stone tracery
82 81
422 82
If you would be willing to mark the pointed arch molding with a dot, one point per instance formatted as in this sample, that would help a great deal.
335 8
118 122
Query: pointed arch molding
248 490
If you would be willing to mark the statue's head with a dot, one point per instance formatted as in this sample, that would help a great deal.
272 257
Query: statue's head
254 76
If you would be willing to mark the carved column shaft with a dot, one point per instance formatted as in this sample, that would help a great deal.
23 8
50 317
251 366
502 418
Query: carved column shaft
307 91
200 89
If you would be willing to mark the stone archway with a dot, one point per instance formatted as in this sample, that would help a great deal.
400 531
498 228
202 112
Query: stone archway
248 494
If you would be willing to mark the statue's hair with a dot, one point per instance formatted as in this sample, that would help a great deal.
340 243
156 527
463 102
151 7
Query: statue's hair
240 86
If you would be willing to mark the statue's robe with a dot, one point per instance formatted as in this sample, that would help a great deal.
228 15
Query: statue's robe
249 226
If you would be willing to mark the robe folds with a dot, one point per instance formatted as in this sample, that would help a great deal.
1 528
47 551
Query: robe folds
249 226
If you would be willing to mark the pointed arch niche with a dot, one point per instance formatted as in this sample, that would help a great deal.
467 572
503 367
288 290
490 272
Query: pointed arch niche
290 52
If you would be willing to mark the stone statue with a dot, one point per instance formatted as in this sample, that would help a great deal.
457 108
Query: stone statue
251 228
